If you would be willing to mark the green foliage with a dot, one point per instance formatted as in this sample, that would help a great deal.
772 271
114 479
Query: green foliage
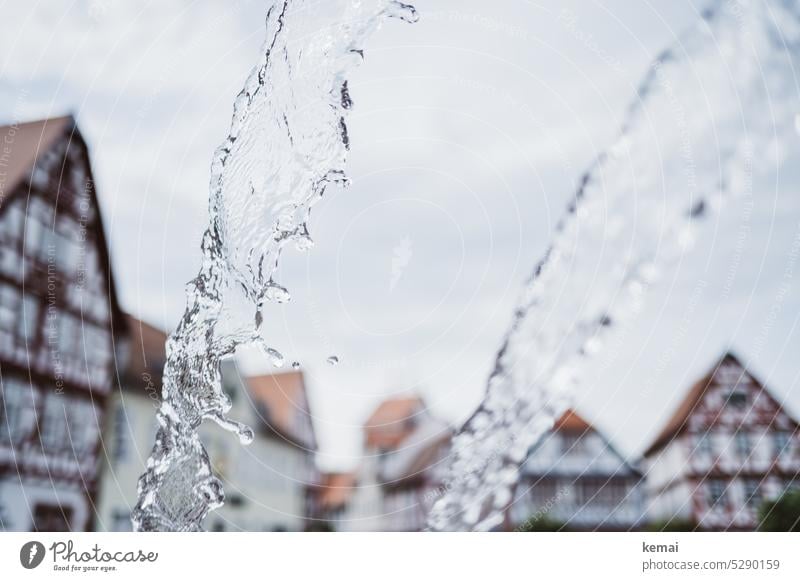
674 525
782 515
540 524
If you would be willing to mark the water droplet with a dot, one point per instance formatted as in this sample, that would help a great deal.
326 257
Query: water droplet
243 431
404 12
332 360
276 293
304 243
295 365
246 435
275 356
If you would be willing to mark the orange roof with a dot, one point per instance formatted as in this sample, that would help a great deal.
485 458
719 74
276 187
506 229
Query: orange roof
284 397
26 142
336 489
392 421
23 145
570 421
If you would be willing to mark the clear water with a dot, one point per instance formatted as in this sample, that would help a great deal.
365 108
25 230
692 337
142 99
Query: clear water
713 118
288 142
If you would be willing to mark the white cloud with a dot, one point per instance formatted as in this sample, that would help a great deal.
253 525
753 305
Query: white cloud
469 132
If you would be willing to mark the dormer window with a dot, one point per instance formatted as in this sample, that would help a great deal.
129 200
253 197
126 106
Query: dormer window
737 399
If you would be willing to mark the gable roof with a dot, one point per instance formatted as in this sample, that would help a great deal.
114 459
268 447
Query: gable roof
408 437
572 422
25 142
23 145
283 396
335 489
677 422
392 421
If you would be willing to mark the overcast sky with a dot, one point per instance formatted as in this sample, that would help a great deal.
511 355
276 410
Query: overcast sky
470 130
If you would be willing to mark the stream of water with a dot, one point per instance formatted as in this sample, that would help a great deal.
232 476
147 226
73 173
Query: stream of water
288 142
714 117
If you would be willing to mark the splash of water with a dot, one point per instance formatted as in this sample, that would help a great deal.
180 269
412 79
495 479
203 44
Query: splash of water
288 142
721 99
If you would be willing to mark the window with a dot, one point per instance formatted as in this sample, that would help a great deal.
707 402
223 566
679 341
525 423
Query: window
34 230
9 297
83 430
10 233
68 341
98 345
571 444
611 493
780 443
752 492
28 319
52 518
17 411
14 223
543 492
704 444
737 399
121 521
743 447
68 254
121 449
716 492
54 424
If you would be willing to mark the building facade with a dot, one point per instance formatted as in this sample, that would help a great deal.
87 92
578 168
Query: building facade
266 483
400 475
130 428
59 319
727 448
574 479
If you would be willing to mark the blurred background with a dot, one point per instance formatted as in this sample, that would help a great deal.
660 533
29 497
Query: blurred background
469 132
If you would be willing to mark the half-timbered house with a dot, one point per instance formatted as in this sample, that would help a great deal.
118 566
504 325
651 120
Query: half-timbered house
58 321
574 479
729 446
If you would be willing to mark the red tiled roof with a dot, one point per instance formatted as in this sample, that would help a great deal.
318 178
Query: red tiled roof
336 489
570 421
392 422
25 143
147 350
284 397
